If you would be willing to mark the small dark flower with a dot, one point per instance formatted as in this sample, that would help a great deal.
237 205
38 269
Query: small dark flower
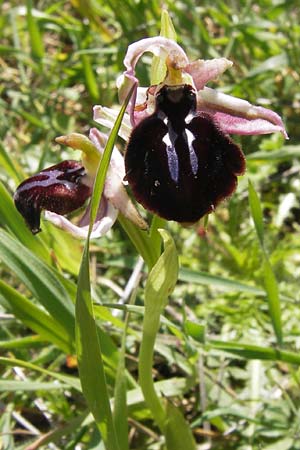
60 188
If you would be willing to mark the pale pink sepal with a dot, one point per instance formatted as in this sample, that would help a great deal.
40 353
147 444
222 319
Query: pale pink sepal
203 71
237 116
106 217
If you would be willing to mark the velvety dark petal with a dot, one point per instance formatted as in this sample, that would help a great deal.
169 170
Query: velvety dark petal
59 189
179 164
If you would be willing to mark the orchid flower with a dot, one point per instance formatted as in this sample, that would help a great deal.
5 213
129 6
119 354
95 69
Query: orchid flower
180 162
66 187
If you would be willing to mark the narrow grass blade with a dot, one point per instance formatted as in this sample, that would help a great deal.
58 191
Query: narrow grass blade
13 386
249 351
91 83
6 425
271 287
270 281
36 41
40 279
36 319
104 163
56 434
90 362
23 342
256 212
191 276
287 152
120 413
70 381
88 342
10 166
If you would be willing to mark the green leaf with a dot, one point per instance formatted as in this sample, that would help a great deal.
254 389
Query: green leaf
30 385
256 212
270 282
6 425
90 362
140 310
23 342
10 165
40 279
162 278
154 235
120 413
160 284
36 41
250 351
195 330
90 79
287 152
271 287
36 319
178 433
88 341
70 381
199 277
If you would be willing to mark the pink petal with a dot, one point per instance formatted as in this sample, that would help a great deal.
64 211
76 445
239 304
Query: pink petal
203 71
237 116
105 219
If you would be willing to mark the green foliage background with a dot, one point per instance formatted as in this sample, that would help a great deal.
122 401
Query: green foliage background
217 355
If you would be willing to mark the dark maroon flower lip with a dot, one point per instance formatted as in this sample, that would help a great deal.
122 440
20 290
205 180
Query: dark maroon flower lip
179 163
59 188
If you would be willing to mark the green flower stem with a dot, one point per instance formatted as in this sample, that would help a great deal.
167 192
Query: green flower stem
141 241
155 237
